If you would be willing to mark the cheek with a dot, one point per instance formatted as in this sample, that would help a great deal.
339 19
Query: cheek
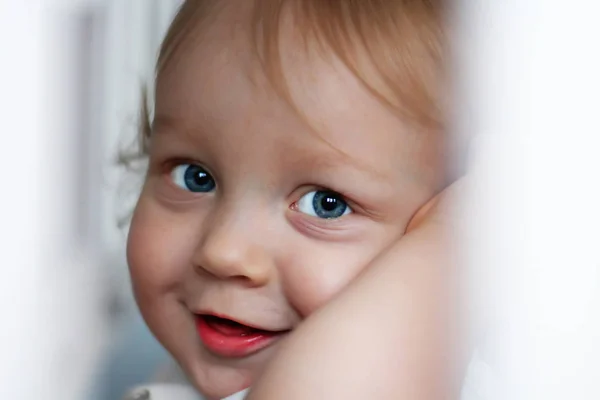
314 274
158 252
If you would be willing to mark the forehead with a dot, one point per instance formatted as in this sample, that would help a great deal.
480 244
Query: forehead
216 82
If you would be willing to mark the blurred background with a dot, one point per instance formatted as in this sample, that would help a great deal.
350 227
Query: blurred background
72 73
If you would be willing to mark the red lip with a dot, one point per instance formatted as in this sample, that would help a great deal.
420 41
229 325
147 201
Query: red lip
228 338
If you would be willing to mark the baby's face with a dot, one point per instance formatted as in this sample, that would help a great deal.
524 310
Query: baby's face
255 214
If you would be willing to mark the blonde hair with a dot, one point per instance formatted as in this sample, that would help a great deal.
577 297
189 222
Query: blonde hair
402 39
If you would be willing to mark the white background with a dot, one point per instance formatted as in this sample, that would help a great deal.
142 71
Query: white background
70 75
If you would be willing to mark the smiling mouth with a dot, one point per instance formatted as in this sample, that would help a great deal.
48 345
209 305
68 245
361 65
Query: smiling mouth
228 338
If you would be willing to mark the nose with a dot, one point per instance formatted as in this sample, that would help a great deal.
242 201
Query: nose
232 247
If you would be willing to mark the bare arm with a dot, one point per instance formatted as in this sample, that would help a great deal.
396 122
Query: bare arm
389 335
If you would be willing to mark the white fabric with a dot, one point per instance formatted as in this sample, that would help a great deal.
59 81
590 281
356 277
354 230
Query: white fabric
238 396
164 392
172 392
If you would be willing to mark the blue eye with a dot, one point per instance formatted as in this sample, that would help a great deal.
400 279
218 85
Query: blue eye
193 178
324 204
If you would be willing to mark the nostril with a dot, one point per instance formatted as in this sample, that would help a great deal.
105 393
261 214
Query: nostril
252 279
242 279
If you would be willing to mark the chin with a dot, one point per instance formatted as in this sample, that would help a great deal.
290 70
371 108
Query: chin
218 392
216 382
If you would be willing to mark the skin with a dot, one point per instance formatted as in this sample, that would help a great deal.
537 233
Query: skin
404 340
249 249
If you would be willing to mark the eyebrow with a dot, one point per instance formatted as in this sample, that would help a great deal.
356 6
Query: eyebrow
170 125
167 123
337 163
342 160
164 122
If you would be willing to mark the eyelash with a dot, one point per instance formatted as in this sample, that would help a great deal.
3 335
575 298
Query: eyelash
167 168
324 204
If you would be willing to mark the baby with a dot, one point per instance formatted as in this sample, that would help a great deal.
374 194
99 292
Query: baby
291 143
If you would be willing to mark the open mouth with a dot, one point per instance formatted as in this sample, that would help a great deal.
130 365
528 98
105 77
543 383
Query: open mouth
229 327
228 338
